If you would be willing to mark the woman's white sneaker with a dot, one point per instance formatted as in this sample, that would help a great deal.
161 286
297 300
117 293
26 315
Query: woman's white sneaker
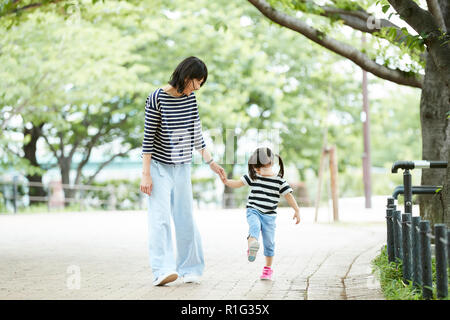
191 278
165 278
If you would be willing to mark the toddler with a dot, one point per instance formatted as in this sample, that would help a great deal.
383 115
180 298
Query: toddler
266 188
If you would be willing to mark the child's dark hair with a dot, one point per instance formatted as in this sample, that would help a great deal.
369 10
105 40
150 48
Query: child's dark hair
190 68
261 158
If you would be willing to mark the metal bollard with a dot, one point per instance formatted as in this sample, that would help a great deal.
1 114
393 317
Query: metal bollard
425 256
407 248
448 248
407 194
416 261
440 233
390 230
390 202
397 236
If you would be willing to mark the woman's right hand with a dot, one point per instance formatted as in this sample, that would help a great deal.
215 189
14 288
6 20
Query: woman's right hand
146 184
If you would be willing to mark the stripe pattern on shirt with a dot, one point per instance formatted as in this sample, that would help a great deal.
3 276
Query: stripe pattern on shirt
265 192
172 127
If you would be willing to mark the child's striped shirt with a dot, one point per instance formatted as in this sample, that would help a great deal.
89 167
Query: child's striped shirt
172 127
265 192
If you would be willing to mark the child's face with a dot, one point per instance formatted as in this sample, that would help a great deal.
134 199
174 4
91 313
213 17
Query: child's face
265 168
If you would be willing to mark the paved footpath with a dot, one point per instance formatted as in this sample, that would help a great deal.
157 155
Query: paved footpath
103 255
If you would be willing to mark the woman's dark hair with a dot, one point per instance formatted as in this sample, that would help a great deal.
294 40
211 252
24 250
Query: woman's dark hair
190 68
261 158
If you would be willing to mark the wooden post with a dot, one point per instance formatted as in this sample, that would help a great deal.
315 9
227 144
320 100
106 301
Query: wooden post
319 187
334 180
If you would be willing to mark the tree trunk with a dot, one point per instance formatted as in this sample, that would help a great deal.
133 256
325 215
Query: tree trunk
231 144
228 192
434 104
64 166
29 150
446 195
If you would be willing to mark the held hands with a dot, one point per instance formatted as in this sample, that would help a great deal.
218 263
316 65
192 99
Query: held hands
218 170
296 216
224 180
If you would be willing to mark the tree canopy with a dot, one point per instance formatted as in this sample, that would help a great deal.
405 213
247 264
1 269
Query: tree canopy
81 79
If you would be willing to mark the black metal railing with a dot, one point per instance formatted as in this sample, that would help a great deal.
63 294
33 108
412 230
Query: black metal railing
409 238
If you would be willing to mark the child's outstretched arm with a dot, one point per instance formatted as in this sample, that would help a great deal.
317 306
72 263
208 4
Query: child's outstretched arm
291 201
233 183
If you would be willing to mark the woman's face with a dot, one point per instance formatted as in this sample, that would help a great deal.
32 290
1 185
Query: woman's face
192 85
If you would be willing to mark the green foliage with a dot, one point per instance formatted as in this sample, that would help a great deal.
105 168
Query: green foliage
7 195
382 3
200 185
308 7
347 4
414 44
88 74
393 53
390 276
285 3
391 279
118 194
76 79
392 137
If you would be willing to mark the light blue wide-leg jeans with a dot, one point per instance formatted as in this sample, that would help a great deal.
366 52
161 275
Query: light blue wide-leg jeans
171 197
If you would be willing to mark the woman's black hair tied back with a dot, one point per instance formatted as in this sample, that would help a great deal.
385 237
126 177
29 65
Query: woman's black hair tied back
263 157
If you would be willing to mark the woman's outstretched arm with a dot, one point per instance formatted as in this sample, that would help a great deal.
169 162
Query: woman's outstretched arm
212 164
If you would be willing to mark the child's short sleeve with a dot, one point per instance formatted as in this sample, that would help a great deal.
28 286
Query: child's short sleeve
285 188
246 180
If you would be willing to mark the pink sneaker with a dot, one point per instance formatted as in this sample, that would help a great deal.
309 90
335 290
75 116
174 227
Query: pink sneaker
267 274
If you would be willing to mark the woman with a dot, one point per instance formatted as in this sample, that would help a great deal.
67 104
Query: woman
172 130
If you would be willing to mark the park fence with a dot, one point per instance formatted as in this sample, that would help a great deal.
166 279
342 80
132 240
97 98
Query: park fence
17 194
56 196
409 238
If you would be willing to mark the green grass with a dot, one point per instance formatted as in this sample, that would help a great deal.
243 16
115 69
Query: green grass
391 280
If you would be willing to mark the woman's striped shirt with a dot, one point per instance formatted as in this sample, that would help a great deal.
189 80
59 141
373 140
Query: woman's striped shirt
172 127
265 192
